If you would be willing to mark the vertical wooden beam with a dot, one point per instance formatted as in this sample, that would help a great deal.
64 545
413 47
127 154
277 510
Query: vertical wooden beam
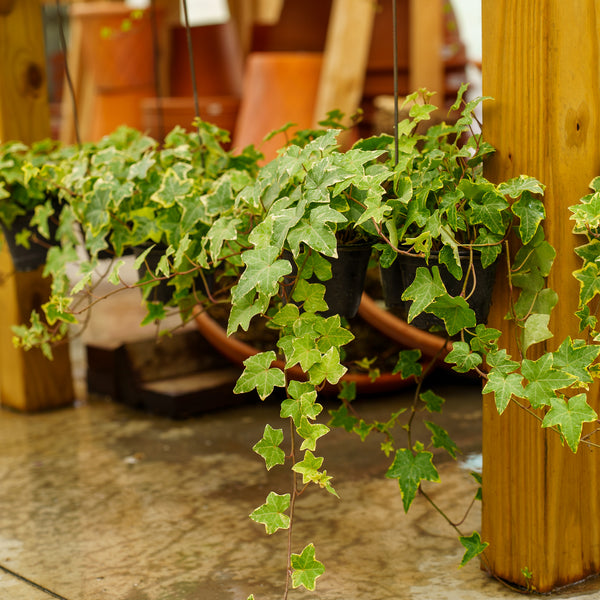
540 502
346 53
28 381
426 43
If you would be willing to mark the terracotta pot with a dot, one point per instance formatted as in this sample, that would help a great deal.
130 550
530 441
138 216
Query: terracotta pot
160 115
279 87
238 351
119 58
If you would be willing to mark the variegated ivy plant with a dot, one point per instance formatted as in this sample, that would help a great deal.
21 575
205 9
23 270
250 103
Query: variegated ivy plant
215 211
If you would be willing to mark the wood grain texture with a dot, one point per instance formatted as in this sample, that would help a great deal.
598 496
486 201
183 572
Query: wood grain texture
28 381
426 43
345 60
540 64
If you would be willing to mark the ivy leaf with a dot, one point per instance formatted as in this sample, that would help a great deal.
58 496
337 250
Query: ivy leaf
306 568
410 469
441 439
531 212
342 418
464 359
262 273
408 364
575 358
569 416
454 311
589 282
536 330
474 547
426 287
303 352
172 188
244 310
302 402
504 386
309 467
156 312
484 339
489 212
272 513
259 375
328 368
516 186
268 447
501 361
332 334
433 402
311 432
310 295
543 380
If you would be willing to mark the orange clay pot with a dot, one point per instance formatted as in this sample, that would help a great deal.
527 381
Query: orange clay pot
279 87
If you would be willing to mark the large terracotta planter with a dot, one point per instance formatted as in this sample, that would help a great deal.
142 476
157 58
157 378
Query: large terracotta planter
117 46
279 87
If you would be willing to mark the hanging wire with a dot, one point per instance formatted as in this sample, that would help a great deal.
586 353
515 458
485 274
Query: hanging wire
190 48
156 62
63 45
395 51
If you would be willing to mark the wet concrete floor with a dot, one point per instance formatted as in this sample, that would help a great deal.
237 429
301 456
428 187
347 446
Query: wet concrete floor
101 502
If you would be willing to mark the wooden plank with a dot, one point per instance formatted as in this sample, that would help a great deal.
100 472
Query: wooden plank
28 381
540 508
426 43
345 60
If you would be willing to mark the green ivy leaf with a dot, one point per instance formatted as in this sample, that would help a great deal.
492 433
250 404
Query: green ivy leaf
490 212
268 447
306 569
535 330
328 368
310 295
474 547
342 418
589 282
156 312
309 467
464 359
433 402
311 432
272 513
172 188
408 364
258 375
543 380
244 310
576 358
441 439
262 273
301 404
410 469
501 361
531 213
303 352
331 333
504 386
426 287
569 416
454 311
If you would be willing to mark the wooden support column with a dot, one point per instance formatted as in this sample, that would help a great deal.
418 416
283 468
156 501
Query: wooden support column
346 53
540 64
28 381
426 43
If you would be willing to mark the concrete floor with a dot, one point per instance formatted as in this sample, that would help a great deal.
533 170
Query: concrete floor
101 502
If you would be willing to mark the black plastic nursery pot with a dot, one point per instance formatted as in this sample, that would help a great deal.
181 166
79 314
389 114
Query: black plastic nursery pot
348 271
28 259
400 275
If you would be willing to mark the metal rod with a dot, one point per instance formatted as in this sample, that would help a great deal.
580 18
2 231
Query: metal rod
395 51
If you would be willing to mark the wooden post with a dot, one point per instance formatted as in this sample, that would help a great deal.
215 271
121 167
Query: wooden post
346 53
426 43
540 502
28 381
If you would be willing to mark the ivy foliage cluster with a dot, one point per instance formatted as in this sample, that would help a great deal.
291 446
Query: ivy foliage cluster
261 239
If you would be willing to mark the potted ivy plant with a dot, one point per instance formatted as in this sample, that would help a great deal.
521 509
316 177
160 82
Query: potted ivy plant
30 208
444 214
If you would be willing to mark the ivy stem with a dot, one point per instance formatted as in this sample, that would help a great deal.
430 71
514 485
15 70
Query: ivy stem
288 574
